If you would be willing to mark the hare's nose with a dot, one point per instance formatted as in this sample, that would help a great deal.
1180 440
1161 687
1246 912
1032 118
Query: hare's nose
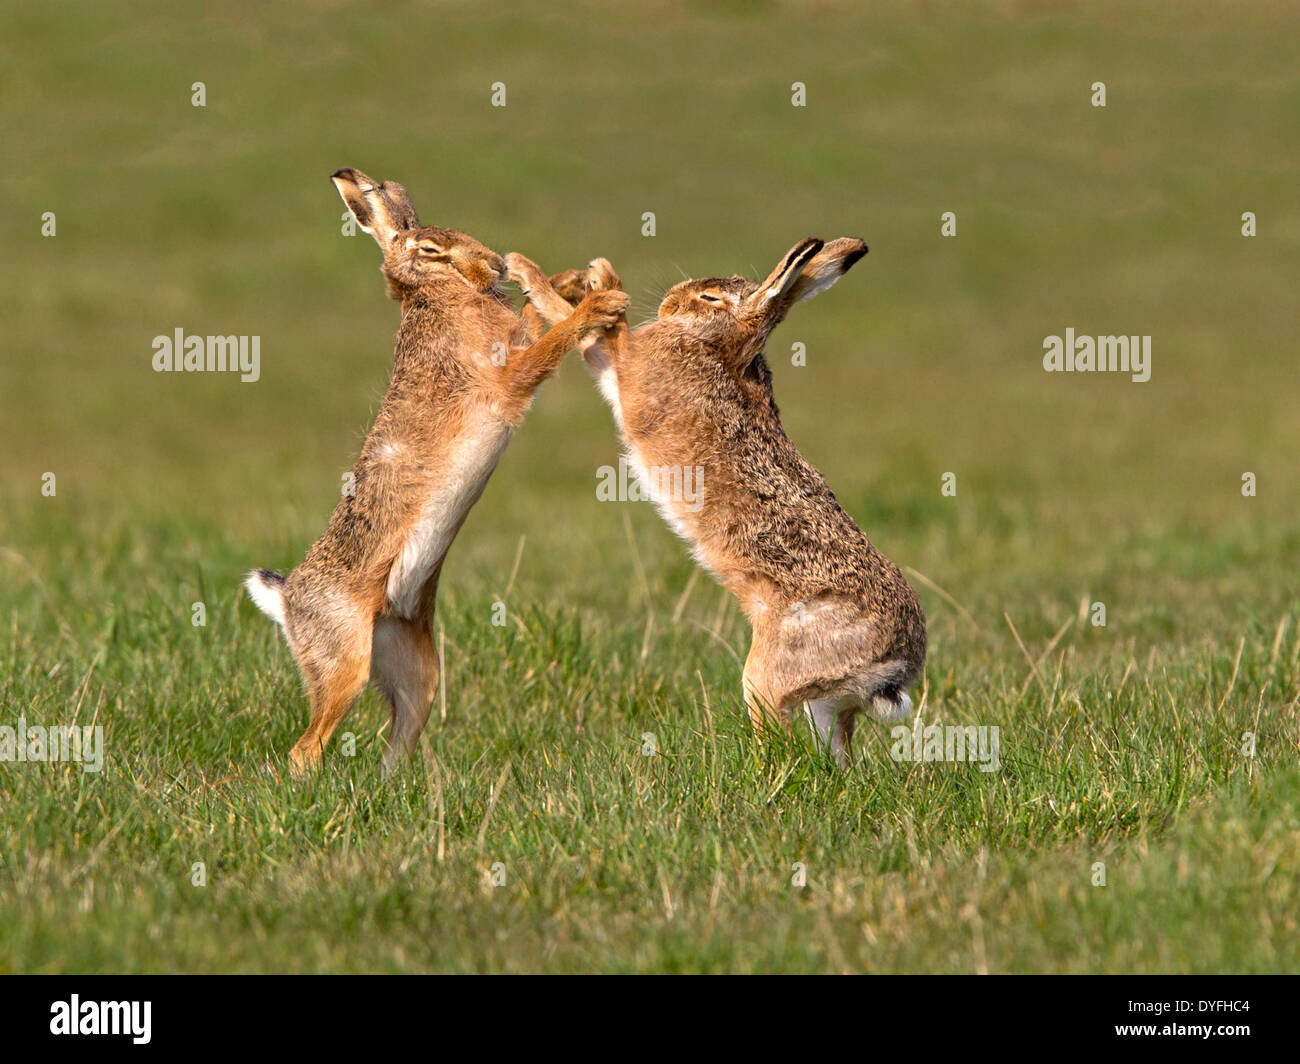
498 264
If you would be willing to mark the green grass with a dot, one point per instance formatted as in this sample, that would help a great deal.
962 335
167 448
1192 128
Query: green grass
1120 745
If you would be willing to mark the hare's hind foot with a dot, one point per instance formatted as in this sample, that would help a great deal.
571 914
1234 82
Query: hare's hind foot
331 639
404 667
832 721
332 695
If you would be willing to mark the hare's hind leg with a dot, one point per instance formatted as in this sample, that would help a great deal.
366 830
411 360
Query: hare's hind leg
832 721
332 645
405 669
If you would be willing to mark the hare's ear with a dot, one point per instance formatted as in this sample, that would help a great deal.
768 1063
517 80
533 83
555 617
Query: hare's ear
380 210
826 267
403 210
769 295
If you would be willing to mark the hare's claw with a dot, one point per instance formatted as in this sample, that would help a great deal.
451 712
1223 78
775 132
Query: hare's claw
604 309
570 284
601 276
522 271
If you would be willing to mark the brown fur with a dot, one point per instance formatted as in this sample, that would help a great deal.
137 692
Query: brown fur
447 414
834 622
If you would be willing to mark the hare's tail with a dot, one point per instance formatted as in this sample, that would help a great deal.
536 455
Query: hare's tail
267 591
890 704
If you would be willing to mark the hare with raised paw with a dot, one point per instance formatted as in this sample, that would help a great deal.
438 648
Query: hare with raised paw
836 627
359 607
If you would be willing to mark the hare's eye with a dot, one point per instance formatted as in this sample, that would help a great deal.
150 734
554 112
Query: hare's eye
710 299
430 249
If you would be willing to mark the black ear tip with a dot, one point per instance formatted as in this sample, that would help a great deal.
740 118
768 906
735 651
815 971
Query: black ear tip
349 175
856 253
803 251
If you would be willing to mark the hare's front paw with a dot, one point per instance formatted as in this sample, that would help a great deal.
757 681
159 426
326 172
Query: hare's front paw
522 271
603 310
601 276
571 285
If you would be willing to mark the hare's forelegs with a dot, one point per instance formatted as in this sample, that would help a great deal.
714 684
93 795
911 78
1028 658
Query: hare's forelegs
609 349
570 286
550 299
528 367
405 668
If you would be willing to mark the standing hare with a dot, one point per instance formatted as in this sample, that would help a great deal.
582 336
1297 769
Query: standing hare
360 605
835 625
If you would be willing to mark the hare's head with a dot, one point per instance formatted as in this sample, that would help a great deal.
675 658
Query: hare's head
740 312
415 256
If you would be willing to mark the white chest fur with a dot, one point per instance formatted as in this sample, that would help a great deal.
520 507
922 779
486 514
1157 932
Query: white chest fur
652 480
607 381
459 484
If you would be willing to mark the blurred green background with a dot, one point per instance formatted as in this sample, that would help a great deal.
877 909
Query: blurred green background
926 359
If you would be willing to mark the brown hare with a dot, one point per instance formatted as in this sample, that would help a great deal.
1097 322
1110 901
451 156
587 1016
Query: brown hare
836 627
360 605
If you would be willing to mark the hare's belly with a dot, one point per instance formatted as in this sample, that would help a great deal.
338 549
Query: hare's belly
677 491
462 476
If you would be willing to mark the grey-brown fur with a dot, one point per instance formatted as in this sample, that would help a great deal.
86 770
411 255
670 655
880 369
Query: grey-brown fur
360 606
834 621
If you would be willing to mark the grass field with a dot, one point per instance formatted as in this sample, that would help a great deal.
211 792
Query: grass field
1121 745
